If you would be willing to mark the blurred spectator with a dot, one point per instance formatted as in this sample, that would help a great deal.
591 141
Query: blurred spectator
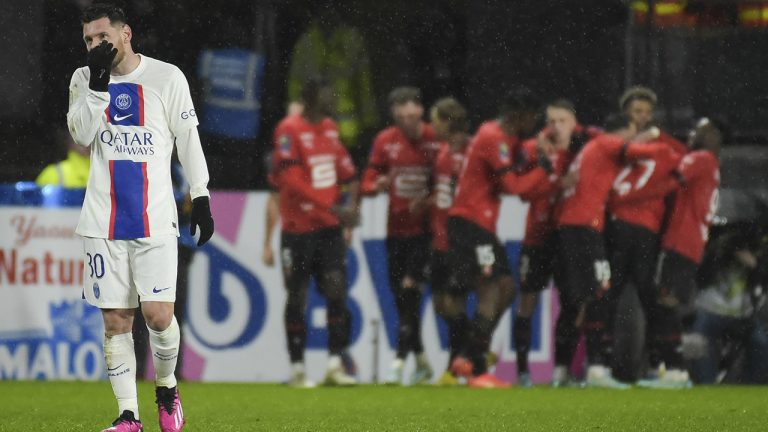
331 48
71 172
730 336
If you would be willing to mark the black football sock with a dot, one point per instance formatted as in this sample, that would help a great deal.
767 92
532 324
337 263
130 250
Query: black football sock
407 302
668 329
296 332
522 333
338 326
480 333
457 335
566 337
596 332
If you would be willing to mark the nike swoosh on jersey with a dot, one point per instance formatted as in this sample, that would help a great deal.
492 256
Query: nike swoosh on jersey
118 118
115 368
155 290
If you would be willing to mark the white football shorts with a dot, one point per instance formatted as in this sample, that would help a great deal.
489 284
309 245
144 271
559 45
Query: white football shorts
119 273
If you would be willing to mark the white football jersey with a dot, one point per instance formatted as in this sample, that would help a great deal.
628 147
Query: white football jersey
131 130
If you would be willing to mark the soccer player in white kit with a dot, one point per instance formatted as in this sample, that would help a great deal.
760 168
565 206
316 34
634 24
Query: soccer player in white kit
130 109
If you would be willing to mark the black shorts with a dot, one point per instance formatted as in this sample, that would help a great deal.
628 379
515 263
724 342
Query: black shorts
407 256
318 253
443 276
633 252
536 266
475 252
583 270
675 277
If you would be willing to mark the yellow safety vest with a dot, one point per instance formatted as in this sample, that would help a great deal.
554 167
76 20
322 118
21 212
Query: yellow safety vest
342 58
70 173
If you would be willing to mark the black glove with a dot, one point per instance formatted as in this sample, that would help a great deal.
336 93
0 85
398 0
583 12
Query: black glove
201 216
100 63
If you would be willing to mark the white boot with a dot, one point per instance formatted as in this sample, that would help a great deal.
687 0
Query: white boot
600 376
299 377
336 375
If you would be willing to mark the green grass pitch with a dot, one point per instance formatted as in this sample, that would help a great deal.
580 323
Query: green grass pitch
79 406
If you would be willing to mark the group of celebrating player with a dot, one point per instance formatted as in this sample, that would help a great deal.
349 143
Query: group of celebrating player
625 204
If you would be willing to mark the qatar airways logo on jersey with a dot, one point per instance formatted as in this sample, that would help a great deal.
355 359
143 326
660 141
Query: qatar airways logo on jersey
131 143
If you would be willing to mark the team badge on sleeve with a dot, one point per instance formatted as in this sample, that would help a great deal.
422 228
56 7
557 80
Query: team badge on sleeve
285 145
503 152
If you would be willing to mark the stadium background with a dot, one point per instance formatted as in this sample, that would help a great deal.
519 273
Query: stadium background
588 51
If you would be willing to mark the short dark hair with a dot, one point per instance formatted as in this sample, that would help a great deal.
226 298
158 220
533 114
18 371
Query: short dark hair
404 94
311 88
616 121
563 103
723 126
519 100
637 93
100 10
452 111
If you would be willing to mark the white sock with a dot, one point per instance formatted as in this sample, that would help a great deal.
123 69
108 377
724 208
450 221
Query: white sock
421 359
297 368
165 352
121 369
398 363
334 362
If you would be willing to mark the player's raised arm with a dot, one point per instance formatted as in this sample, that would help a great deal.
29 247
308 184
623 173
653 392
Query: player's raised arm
515 184
659 190
523 184
88 95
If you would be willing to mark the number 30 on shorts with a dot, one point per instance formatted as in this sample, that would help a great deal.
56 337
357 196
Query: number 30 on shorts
95 265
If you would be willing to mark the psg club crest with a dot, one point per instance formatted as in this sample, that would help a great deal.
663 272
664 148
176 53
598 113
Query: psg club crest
96 290
126 105
123 101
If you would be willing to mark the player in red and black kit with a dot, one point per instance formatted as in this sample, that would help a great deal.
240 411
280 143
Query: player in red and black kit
449 119
566 137
401 162
479 259
638 103
696 179
584 273
310 165
632 232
